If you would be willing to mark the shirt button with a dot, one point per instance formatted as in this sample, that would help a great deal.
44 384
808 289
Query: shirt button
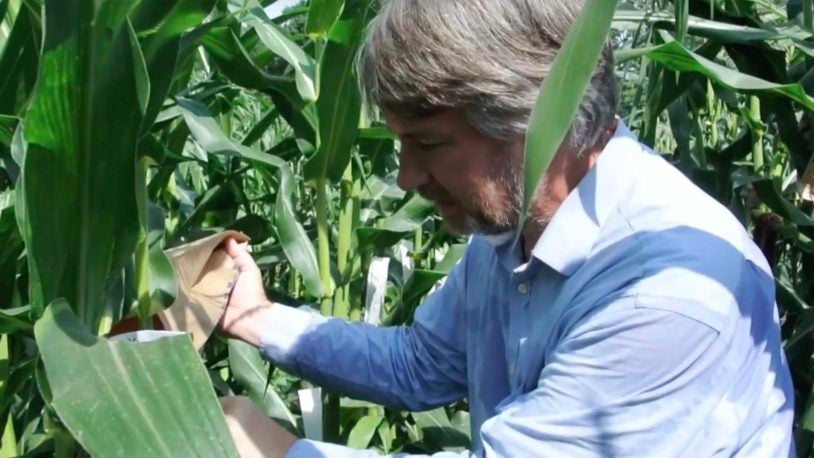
523 288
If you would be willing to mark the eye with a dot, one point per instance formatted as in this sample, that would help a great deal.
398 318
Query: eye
429 145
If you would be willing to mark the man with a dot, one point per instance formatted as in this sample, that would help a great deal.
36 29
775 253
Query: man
636 318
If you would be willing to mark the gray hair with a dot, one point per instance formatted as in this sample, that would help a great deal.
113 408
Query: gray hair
486 57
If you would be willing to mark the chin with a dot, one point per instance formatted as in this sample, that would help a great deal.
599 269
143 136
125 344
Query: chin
457 228
456 224
456 221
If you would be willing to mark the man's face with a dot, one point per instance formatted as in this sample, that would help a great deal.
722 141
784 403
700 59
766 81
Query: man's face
474 182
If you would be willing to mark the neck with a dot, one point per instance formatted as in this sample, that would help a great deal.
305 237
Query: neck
532 231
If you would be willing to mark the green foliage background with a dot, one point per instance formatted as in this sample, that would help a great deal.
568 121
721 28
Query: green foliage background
139 125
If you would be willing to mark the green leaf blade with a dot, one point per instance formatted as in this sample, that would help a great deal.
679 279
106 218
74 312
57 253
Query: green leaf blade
277 42
296 244
340 103
86 84
562 91
321 16
132 399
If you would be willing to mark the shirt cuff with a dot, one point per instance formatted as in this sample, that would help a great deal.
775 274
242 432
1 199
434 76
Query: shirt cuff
286 326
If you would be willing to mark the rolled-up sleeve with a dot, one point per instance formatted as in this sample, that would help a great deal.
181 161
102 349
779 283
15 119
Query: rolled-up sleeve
410 367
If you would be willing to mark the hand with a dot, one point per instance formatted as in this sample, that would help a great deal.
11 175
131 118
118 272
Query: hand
247 311
254 433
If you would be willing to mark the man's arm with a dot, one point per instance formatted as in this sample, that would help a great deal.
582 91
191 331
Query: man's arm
415 367
627 382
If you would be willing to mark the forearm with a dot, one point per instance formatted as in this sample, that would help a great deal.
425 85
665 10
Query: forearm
390 366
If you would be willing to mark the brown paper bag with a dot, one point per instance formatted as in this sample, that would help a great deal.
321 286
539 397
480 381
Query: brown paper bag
206 275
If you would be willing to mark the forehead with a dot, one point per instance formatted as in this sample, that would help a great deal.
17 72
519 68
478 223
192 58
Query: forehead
442 122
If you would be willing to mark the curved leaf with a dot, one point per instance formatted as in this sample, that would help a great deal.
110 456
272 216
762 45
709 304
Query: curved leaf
563 89
127 398
297 246
439 432
8 124
248 368
230 56
160 26
19 57
672 55
409 217
277 42
720 31
363 432
321 16
10 251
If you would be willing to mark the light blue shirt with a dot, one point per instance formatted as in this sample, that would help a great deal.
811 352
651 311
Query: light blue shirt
644 325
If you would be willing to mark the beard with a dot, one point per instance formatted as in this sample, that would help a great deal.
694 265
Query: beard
489 208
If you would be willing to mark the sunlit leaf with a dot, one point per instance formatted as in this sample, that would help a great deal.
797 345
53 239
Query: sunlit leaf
340 104
321 16
277 42
128 398
563 89
74 153
296 244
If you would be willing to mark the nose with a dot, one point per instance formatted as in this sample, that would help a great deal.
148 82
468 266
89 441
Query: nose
412 174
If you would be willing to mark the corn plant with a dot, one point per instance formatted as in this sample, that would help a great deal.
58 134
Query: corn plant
128 127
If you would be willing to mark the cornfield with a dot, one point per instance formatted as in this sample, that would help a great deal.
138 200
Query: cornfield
128 127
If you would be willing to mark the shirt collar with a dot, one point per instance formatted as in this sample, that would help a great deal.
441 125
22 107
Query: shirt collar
573 231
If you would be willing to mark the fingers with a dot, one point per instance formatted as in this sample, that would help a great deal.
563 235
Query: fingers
239 253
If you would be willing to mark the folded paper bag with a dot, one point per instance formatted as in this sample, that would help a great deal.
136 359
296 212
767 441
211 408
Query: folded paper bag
205 275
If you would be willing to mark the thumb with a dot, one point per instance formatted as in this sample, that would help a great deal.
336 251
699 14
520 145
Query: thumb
237 251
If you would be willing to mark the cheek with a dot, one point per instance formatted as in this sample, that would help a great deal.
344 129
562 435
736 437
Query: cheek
470 173
491 196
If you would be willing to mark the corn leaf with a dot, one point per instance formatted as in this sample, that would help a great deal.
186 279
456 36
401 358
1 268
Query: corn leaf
276 41
8 124
340 105
8 443
10 251
230 56
673 56
297 246
682 12
130 399
321 16
160 26
363 432
81 130
722 32
562 91
438 431
250 372
19 56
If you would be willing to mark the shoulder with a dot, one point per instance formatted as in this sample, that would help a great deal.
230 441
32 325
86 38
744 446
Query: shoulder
696 258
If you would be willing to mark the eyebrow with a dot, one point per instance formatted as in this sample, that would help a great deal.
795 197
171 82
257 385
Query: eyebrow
425 134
